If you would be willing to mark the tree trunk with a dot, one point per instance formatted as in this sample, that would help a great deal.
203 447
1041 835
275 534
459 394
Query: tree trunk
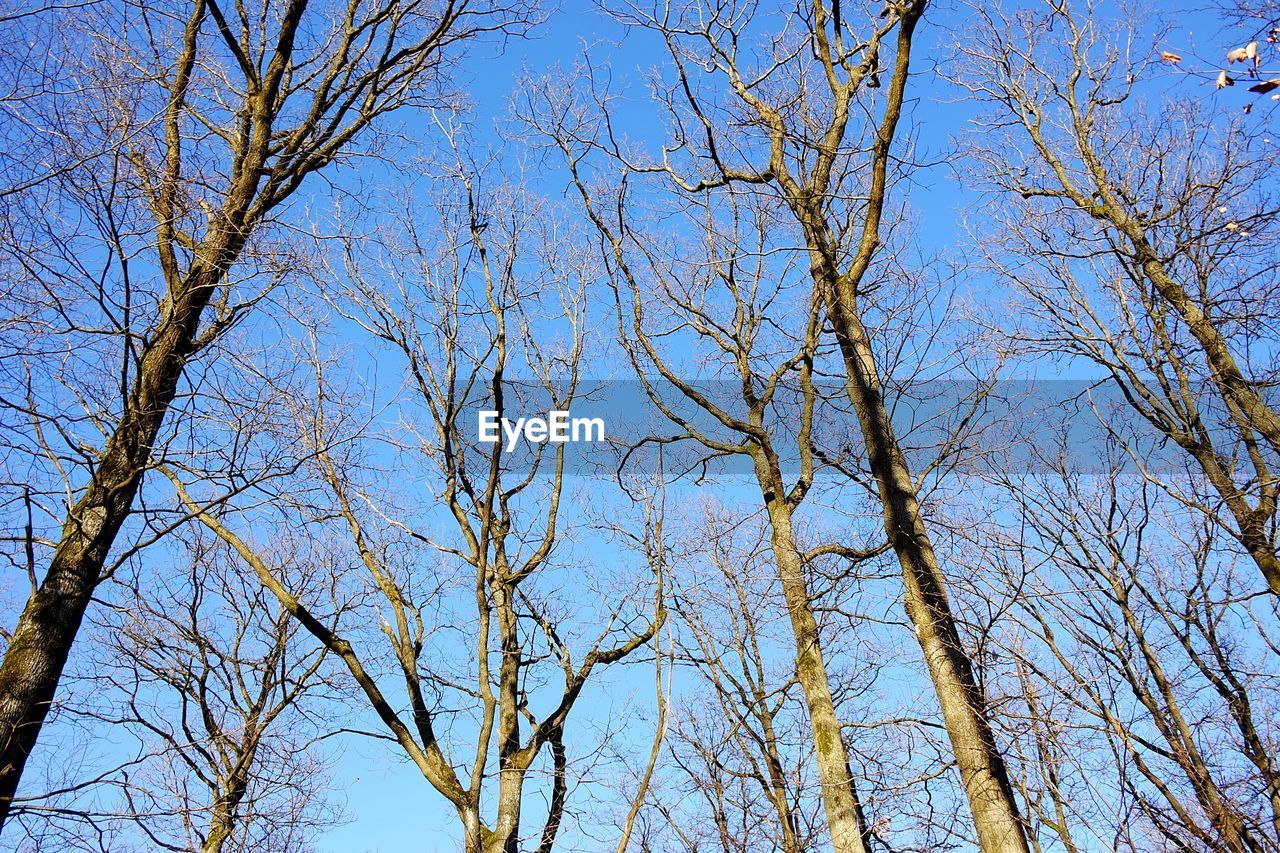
982 769
790 842
472 830
844 812
220 827
48 625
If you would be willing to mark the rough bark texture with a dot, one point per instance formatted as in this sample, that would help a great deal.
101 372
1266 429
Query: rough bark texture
844 813
371 67
982 769
48 625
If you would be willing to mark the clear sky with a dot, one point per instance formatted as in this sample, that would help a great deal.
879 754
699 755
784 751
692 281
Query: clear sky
393 808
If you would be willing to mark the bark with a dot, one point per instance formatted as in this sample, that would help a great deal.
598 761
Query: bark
219 832
845 819
982 769
224 821
559 790
235 787
48 625
1241 394
267 163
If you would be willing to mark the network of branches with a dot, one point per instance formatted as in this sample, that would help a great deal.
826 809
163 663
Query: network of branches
925 359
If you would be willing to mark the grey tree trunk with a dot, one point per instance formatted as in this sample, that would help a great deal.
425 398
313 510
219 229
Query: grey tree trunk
48 625
845 819
982 769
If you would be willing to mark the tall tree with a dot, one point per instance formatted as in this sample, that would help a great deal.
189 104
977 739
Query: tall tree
1138 672
1133 238
716 299
247 103
462 300
226 688
787 121
744 754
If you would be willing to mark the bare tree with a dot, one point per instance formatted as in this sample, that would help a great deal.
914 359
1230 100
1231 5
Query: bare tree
205 671
457 299
1138 680
249 102
751 734
799 121
220 653
723 296
860 642
1132 236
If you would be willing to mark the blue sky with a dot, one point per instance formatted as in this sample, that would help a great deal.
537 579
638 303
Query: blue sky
393 807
